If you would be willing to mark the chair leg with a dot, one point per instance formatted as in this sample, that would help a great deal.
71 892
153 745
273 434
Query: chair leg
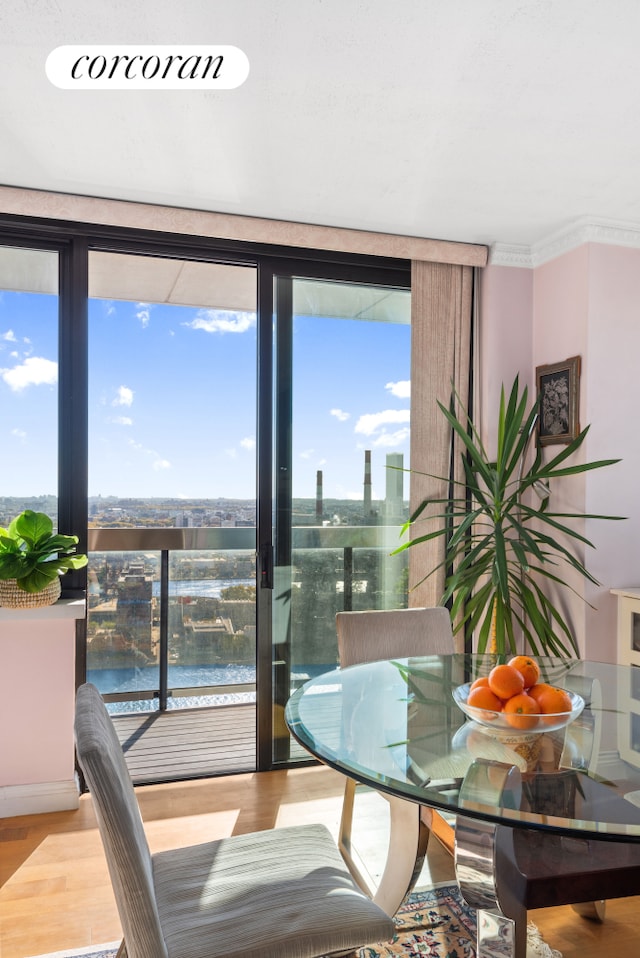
122 950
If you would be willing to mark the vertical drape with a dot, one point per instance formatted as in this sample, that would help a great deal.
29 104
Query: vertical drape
441 318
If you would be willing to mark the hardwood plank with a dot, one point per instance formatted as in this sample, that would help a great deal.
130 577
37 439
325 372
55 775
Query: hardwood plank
53 866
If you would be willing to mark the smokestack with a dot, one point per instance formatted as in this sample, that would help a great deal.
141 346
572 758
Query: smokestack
367 482
319 503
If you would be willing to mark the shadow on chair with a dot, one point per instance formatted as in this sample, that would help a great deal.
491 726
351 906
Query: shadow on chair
284 892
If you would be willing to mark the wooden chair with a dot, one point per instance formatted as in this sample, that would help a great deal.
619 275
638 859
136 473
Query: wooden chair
273 894
372 636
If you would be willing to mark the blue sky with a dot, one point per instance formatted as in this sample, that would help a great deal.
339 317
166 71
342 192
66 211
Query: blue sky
172 400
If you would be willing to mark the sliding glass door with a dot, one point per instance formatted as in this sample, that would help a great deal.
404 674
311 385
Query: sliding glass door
342 360
172 498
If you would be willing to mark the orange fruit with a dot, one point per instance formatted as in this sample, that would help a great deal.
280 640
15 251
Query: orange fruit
483 698
505 681
521 711
482 682
553 701
536 690
528 667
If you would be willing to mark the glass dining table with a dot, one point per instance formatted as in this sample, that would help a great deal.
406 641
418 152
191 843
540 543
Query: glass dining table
542 816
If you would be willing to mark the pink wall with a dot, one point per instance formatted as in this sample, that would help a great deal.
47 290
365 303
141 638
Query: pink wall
583 303
504 338
560 323
38 667
37 670
613 398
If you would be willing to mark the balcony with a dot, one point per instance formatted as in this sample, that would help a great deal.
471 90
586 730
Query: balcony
172 628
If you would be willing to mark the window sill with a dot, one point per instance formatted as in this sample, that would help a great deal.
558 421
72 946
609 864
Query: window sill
62 609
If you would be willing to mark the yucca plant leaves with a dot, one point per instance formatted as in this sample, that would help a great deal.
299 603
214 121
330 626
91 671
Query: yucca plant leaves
499 547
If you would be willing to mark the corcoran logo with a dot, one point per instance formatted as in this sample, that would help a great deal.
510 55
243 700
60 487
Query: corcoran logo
147 67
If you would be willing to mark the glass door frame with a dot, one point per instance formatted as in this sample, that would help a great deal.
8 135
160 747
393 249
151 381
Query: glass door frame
274 448
73 241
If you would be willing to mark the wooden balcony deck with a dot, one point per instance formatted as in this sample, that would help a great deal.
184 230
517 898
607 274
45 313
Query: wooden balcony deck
188 743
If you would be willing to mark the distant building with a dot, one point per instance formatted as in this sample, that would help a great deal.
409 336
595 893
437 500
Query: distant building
394 494
134 593
367 484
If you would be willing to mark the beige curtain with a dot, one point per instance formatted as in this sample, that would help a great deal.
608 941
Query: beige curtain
441 319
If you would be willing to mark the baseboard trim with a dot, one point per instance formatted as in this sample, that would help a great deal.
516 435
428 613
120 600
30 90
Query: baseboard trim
38 798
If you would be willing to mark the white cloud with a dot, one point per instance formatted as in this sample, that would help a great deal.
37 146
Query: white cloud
124 397
222 321
19 434
401 389
231 453
248 443
373 422
34 371
143 313
158 462
340 415
9 336
307 453
122 420
392 438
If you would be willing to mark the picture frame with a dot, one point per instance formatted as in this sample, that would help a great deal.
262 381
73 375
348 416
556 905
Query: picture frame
558 386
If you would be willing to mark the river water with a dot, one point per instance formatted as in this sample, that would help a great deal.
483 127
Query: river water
207 588
187 676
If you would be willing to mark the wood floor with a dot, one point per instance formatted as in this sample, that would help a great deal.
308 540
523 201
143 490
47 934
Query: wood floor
55 892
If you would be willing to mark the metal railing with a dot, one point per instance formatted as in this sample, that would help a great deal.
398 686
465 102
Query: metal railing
229 539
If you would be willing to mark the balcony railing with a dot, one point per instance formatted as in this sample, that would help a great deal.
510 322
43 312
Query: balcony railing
343 579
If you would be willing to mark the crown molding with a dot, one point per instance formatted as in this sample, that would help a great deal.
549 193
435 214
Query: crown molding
504 254
584 230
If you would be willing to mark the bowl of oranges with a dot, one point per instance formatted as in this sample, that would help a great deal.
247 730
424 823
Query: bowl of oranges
512 697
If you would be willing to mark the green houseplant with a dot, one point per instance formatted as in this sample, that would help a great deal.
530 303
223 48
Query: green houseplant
32 559
502 543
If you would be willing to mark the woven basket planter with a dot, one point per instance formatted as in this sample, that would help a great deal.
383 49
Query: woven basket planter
12 597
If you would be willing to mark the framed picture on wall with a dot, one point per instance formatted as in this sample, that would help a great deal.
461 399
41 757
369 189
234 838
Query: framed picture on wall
558 393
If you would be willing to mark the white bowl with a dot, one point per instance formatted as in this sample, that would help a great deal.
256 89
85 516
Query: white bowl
508 722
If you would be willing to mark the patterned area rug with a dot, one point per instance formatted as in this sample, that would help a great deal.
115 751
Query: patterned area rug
434 923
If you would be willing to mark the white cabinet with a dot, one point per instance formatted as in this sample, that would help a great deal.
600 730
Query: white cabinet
628 643
628 625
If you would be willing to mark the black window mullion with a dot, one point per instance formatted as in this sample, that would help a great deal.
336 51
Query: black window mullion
72 404
264 521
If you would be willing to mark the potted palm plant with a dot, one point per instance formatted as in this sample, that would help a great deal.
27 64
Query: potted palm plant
501 542
32 559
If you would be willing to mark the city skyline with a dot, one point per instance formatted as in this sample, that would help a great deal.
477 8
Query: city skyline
172 400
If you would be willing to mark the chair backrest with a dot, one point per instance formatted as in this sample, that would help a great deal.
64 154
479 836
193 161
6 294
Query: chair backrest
374 635
125 844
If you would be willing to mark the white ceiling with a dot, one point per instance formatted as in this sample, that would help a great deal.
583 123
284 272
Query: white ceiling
474 120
